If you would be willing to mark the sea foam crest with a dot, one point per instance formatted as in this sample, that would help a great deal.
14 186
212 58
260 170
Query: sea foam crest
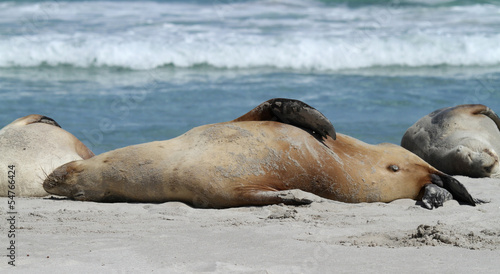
139 53
291 34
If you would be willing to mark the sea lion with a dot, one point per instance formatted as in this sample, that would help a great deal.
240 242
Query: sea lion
460 140
32 147
254 160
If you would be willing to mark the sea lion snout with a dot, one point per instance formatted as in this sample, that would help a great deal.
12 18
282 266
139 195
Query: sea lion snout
54 179
57 182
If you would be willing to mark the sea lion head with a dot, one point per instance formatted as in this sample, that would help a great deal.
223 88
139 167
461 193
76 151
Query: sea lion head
65 181
406 174
474 158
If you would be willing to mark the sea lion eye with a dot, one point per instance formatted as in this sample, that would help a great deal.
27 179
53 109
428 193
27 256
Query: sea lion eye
394 168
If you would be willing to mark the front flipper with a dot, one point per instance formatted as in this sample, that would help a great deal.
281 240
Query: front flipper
435 196
293 112
274 197
456 189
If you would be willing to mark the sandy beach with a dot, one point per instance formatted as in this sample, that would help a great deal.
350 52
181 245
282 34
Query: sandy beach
58 236
125 72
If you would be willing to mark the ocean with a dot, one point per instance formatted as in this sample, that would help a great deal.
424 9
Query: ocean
117 73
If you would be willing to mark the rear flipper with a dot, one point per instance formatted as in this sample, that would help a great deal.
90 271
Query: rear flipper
293 112
484 110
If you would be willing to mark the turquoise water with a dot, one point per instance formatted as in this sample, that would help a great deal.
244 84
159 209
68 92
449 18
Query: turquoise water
117 73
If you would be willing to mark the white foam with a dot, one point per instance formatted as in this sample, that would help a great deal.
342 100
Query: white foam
292 35
250 52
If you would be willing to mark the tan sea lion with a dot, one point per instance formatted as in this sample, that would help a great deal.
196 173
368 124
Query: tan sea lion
461 140
254 160
32 147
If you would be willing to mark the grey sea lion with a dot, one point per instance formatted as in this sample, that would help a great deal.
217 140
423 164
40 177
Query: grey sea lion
460 140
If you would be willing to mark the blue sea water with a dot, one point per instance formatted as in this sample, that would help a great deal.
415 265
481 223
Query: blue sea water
117 73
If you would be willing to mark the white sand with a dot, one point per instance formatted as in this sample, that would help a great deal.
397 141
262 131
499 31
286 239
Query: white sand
68 236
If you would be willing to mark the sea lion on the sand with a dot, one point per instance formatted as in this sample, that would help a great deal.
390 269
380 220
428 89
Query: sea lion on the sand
253 161
31 148
461 140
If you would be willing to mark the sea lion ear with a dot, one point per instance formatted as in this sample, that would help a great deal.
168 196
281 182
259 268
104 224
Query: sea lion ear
293 112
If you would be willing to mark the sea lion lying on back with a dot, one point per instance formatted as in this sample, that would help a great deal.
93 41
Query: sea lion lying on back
461 140
280 145
32 147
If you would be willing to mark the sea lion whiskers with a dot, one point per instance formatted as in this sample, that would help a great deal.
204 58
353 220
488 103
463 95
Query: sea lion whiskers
42 179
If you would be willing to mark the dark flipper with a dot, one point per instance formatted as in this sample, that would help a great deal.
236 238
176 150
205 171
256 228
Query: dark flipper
36 118
293 112
490 114
48 120
456 188
440 116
